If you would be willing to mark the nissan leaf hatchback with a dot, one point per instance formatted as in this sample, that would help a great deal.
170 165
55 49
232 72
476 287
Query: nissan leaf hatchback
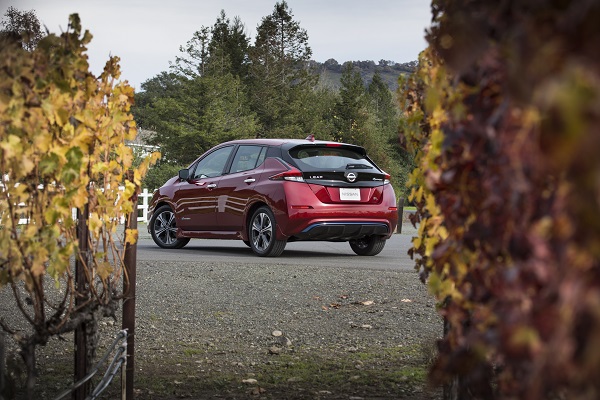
268 192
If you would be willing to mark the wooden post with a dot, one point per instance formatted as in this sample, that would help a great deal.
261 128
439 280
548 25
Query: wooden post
81 366
2 364
129 301
400 214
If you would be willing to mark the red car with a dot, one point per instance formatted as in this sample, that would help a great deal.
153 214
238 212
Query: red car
268 192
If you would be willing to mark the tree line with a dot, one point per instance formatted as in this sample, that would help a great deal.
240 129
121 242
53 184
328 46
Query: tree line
368 65
224 87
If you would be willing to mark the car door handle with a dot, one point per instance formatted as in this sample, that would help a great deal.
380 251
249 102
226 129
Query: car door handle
211 186
249 180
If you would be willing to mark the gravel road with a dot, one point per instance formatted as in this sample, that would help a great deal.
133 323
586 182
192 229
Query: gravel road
276 331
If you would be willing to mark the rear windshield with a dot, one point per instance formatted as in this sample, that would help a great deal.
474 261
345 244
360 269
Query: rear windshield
329 158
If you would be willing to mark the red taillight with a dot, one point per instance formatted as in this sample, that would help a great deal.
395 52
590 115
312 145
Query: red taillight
294 175
386 178
333 145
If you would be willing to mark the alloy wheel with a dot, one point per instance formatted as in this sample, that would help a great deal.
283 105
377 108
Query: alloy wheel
262 231
261 234
164 227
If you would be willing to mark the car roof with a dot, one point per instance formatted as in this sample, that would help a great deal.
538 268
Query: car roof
288 142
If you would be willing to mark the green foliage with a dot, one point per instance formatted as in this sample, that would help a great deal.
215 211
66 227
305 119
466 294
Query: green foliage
367 116
62 146
192 62
203 102
219 50
21 27
190 116
213 94
350 111
159 174
503 117
279 75
228 47
330 72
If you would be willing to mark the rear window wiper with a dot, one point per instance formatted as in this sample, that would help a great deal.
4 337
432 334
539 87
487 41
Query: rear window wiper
358 166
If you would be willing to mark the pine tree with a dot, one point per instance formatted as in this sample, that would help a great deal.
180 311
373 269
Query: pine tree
218 50
192 62
350 111
21 26
203 101
382 104
228 47
189 116
279 74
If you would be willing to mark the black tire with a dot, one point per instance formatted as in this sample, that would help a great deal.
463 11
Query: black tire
368 246
164 230
261 232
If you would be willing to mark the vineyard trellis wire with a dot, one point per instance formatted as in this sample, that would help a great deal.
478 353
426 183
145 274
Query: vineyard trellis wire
119 361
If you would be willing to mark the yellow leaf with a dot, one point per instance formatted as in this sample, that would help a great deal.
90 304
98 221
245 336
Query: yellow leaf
417 241
442 232
42 141
419 194
94 223
104 270
38 263
526 337
442 287
62 116
99 168
131 236
27 165
87 118
431 204
81 196
126 156
12 147
430 244
129 189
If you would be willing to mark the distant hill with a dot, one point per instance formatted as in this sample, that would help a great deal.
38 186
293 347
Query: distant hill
331 71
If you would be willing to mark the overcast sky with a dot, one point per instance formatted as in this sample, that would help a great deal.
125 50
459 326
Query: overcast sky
146 34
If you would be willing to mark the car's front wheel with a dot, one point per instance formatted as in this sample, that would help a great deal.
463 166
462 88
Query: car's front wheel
261 233
164 230
368 246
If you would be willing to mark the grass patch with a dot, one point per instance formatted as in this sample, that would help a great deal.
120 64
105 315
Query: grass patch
193 351
193 371
378 372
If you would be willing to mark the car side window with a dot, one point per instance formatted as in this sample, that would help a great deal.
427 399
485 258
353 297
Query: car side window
213 164
261 156
247 158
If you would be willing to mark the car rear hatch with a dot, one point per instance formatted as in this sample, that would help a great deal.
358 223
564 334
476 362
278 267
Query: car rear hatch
340 173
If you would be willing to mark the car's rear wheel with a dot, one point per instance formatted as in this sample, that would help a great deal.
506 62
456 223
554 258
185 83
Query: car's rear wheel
262 234
368 246
164 230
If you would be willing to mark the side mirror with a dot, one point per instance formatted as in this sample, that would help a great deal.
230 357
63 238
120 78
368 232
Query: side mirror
184 174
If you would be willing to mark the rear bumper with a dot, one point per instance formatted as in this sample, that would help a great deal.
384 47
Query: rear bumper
342 231
301 216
